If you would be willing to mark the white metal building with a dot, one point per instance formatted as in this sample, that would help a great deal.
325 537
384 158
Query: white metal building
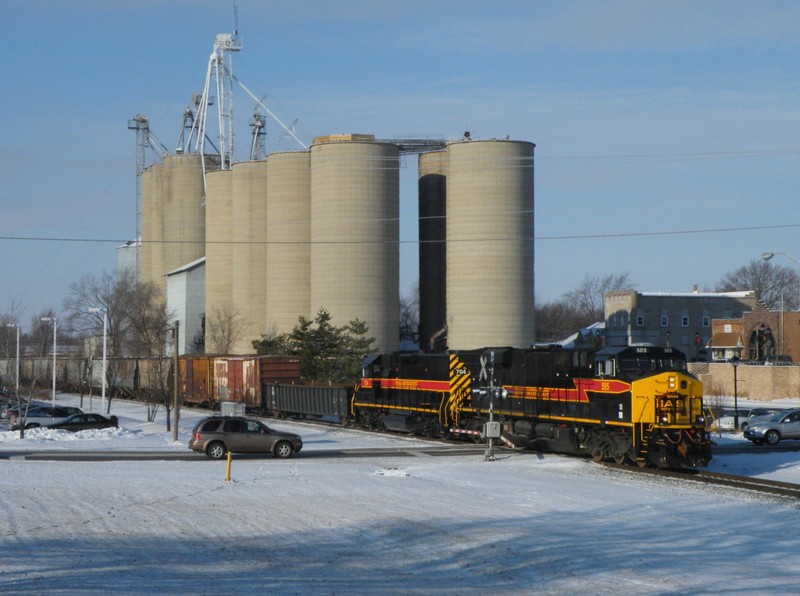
186 297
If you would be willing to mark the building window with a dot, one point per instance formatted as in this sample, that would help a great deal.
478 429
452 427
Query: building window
664 321
685 321
639 320
706 321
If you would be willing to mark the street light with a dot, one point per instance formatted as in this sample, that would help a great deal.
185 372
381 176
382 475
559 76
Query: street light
17 326
768 255
55 329
735 363
105 345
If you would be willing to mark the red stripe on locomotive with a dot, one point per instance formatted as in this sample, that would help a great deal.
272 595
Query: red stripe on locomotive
580 393
407 384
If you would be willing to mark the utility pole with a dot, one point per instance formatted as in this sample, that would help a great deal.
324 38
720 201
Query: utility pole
175 374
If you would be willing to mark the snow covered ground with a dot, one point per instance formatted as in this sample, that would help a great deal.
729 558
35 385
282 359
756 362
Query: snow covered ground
524 523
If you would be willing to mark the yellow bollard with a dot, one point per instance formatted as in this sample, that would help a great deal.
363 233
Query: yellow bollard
228 469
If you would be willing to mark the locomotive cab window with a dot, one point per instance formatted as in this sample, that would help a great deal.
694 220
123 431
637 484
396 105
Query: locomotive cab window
668 363
605 368
580 359
637 364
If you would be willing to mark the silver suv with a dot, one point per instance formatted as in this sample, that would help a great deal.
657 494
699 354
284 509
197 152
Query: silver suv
217 435
772 430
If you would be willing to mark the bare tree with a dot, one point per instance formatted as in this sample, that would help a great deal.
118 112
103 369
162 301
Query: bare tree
409 314
587 298
225 326
110 295
40 334
771 283
148 321
8 333
38 344
556 321
150 330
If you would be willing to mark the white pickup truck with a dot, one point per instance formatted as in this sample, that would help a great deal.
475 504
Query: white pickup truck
41 416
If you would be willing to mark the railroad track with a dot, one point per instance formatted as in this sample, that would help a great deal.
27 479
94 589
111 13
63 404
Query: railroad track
757 485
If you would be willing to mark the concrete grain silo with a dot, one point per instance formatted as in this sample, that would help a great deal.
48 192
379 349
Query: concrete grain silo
219 266
432 246
355 234
249 250
490 244
288 232
184 216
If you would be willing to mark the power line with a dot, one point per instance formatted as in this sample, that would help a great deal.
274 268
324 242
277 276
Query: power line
304 242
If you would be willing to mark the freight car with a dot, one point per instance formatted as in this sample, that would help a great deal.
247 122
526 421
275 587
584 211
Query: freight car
628 404
208 381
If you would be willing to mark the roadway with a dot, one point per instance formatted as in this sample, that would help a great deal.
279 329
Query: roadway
171 455
439 451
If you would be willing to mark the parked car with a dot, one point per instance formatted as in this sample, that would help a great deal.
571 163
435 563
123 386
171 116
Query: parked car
217 435
775 428
40 415
78 422
746 416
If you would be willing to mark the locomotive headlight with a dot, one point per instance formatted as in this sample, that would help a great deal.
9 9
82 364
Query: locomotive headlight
671 382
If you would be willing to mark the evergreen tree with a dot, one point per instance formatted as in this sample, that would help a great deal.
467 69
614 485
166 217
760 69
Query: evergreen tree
327 352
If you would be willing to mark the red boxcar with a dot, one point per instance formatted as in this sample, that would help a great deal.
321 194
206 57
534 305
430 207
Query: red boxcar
197 373
241 379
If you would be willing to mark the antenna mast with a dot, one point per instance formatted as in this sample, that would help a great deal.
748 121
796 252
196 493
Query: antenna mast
258 125
144 139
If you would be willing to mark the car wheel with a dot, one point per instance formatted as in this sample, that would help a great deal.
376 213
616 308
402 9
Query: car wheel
216 450
772 437
283 449
33 425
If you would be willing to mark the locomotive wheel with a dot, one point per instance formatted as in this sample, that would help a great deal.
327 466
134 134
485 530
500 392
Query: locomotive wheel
642 463
620 458
428 428
597 456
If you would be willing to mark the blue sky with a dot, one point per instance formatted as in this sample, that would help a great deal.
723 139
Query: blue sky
666 132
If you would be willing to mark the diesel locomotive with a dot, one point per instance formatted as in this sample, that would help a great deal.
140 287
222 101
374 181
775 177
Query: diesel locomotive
634 404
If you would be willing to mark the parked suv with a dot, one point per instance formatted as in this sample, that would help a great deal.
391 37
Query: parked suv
779 426
217 435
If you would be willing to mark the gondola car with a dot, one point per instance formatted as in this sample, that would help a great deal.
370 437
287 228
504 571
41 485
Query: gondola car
626 404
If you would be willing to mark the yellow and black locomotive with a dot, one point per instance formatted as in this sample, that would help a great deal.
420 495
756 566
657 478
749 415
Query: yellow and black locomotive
627 404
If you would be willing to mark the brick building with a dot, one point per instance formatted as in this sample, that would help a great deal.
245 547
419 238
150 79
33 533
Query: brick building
761 335
682 320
